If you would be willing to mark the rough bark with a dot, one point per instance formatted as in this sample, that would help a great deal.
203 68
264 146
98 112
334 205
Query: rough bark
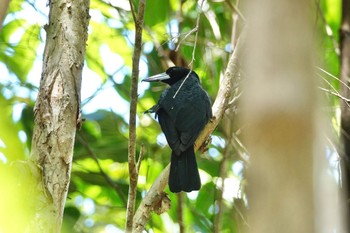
278 112
57 109
345 92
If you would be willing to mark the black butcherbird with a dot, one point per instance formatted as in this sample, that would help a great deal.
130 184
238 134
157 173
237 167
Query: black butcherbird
183 109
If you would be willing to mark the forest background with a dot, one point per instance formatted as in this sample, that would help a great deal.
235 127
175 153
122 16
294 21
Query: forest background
99 185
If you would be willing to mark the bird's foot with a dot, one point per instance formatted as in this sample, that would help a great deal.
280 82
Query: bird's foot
205 146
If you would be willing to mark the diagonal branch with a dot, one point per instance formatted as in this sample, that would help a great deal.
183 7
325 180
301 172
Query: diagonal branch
132 10
221 103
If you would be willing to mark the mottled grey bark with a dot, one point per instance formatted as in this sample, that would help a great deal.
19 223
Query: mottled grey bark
57 109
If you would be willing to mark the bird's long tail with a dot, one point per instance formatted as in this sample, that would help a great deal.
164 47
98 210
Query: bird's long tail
184 175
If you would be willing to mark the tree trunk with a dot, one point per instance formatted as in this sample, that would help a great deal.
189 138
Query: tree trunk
345 106
278 107
3 8
57 109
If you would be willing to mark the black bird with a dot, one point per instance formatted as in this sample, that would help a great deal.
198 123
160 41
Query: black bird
183 110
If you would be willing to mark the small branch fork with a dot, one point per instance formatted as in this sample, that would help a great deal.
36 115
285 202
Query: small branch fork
335 91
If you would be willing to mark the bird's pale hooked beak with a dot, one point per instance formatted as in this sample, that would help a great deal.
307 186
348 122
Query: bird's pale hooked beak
156 78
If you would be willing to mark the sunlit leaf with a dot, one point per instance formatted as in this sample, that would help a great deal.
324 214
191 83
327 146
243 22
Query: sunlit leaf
11 147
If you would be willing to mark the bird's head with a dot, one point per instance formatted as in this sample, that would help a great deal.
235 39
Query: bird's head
172 75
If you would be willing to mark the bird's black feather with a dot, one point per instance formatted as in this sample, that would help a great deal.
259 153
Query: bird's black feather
182 112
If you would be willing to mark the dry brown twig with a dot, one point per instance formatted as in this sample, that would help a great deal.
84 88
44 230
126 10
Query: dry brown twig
133 165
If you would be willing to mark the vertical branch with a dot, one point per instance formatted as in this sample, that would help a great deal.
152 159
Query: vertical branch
133 172
180 211
345 92
57 109
196 36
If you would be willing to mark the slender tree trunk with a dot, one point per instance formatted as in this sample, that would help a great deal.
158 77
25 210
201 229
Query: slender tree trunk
278 107
345 106
57 110
133 165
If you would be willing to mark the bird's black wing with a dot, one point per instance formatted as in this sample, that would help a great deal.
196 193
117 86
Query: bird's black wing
182 118
168 127
197 114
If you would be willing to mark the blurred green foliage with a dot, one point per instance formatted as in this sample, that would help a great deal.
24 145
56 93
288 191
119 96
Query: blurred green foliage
99 182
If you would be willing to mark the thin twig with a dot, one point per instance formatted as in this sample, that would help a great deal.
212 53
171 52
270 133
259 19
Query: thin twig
133 172
177 91
193 51
243 152
235 9
159 48
132 11
241 215
187 34
329 84
196 36
335 91
180 211
334 77
346 100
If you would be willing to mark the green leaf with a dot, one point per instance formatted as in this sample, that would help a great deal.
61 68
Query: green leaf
156 12
23 55
11 146
10 28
